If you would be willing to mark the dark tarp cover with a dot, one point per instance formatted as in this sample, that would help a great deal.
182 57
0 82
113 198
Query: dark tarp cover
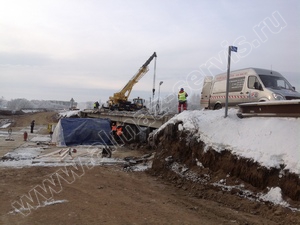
83 131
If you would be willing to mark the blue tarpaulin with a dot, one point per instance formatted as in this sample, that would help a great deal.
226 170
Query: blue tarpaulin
82 131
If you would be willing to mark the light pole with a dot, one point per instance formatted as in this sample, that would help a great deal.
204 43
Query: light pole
157 104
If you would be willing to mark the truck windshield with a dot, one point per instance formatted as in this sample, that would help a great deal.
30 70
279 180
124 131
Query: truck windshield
275 82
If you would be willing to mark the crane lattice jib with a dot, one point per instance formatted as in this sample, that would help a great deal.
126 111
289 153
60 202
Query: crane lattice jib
125 92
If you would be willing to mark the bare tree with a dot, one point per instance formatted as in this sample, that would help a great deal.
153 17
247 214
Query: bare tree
20 103
3 102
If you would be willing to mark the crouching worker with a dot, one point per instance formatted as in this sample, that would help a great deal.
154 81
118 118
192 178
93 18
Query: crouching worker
182 102
119 133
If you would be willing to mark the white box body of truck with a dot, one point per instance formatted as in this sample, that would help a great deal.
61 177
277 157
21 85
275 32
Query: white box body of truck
246 85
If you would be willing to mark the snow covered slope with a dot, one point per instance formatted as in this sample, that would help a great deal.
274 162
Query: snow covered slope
272 142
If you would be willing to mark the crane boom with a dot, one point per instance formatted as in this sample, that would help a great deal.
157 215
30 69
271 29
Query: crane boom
122 96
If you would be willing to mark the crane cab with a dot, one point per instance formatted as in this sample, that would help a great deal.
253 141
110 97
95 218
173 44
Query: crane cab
138 103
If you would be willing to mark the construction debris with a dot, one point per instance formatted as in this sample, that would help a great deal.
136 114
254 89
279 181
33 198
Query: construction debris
72 153
132 160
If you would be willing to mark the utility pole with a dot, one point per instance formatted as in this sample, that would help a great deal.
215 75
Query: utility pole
153 89
158 99
234 49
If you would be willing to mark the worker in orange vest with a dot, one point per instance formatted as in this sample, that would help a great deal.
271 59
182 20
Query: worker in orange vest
114 130
119 131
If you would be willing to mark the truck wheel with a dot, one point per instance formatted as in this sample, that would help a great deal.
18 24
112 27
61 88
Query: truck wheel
217 106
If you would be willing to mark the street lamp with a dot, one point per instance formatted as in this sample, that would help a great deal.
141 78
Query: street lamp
157 105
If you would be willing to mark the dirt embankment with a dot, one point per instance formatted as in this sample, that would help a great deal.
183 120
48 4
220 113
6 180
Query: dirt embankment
23 120
185 161
41 118
181 192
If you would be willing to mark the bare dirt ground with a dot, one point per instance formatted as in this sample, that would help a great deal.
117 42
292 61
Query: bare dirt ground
112 195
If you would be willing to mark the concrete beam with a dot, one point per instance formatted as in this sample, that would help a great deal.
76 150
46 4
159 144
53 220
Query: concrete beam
136 118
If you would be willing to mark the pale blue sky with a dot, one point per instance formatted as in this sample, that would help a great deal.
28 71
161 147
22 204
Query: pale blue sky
89 49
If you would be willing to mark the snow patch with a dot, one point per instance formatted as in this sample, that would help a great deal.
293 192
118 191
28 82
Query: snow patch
45 203
5 125
274 195
69 114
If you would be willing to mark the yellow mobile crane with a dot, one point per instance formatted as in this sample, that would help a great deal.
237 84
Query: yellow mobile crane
119 101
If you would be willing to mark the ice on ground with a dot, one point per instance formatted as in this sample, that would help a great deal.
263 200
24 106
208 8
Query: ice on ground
24 153
41 139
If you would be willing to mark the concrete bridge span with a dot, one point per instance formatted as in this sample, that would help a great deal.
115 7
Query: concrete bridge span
135 118
137 125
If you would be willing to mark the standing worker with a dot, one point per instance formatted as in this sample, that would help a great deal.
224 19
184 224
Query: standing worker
32 126
182 95
96 105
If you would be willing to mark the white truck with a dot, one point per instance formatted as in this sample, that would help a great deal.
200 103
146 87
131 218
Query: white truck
246 85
